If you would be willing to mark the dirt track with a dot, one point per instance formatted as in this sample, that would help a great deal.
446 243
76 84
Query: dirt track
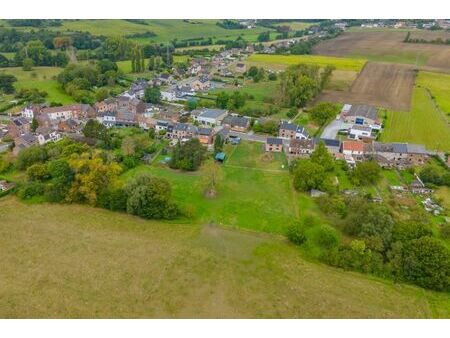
380 84
389 46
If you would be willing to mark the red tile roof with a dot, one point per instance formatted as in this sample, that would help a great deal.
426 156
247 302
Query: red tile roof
353 146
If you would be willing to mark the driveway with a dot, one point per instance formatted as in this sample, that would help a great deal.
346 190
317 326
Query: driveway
332 129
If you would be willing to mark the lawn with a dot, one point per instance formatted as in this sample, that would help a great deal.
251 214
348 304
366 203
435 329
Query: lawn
245 175
424 124
41 78
267 60
295 25
439 86
84 262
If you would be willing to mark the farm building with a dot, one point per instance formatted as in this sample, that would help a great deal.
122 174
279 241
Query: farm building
274 144
359 131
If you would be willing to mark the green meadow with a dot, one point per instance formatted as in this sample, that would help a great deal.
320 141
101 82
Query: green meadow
42 78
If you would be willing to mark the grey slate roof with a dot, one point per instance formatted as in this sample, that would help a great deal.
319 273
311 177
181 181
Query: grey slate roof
212 113
274 140
363 110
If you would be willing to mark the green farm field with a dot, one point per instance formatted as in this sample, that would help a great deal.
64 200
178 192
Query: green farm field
165 30
439 86
424 124
84 262
277 61
41 78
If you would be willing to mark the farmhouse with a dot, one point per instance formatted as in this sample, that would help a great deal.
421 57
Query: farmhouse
30 111
399 155
236 123
359 114
106 105
58 113
274 144
292 131
210 117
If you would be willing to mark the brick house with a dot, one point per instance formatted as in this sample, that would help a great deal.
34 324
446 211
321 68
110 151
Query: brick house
274 144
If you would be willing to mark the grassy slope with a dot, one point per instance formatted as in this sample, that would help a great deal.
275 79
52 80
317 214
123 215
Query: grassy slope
340 63
423 124
92 263
43 81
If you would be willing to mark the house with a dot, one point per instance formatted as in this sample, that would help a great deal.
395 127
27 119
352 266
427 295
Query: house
69 126
30 111
146 122
162 125
358 131
123 102
106 105
205 135
291 130
236 123
224 133
352 150
82 111
183 131
201 84
24 141
274 144
136 106
46 136
210 117
58 113
169 115
19 126
126 118
107 118
241 68
300 148
361 114
169 95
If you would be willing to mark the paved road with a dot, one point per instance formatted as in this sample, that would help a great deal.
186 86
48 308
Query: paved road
332 129
249 136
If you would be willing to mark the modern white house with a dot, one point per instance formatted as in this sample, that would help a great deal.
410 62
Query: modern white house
358 131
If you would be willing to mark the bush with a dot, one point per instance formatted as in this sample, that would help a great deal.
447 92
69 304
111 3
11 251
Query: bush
296 233
30 190
326 237
113 198
445 231
56 192
37 172
30 156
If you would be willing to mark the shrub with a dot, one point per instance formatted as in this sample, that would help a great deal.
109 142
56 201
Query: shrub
30 190
296 233
326 237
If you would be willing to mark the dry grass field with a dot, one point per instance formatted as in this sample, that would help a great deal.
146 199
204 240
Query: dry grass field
73 261
380 84
387 46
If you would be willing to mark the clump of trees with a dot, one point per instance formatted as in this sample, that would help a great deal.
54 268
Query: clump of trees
315 172
152 95
68 172
79 80
258 74
323 112
301 83
7 83
266 127
187 156
234 101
